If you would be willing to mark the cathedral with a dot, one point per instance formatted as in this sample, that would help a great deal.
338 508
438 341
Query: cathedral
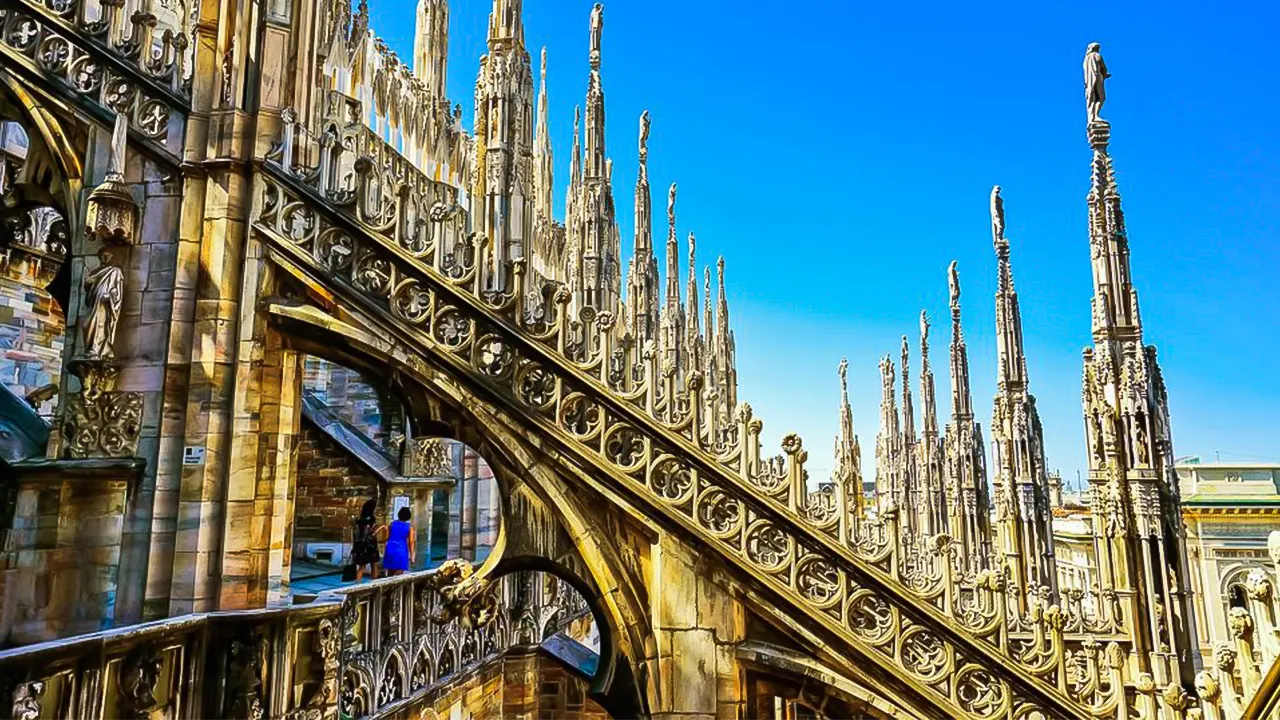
314 406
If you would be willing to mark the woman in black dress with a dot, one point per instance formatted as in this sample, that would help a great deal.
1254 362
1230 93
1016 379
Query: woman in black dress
364 549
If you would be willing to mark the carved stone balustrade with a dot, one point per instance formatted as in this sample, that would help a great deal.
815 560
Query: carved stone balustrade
105 62
366 651
403 636
268 663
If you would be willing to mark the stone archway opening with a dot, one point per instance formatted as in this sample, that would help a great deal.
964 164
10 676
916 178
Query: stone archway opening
357 442
545 611
35 278
545 656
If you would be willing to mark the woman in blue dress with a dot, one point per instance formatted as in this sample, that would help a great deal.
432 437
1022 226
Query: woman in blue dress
399 549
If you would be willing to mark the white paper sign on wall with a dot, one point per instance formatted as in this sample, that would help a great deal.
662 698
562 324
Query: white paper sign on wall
193 455
397 502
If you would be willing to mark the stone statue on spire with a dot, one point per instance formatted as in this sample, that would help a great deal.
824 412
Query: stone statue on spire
997 214
844 374
953 283
671 206
597 31
644 136
1095 79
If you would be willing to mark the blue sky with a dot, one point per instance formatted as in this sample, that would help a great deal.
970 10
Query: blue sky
840 155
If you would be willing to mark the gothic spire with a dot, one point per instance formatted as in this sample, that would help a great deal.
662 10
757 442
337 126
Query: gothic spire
593 130
961 400
1138 525
929 451
1012 362
724 345
672 318
722 309
693 334
642 277
967 496
575 160
1022 495
672 297
848 455
927 395
1115 301
431 45
506 25
503 199
908 409
888 470
544 161
708 318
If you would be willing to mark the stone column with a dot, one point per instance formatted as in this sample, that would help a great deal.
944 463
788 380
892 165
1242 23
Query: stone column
455 504
425 523
261 464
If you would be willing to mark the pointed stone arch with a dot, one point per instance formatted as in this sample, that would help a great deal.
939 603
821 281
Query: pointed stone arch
516 461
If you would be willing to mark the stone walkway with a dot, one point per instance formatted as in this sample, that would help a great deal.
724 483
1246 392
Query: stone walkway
311 578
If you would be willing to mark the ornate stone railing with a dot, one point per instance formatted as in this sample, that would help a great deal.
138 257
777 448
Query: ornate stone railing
401 637
269 663
368 651
104 62
391 242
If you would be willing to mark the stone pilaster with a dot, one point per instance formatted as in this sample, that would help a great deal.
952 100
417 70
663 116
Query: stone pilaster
64 550
698 623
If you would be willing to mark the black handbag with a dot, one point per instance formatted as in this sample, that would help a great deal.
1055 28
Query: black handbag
349 572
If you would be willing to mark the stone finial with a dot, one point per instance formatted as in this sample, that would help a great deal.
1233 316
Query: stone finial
119 139
112 214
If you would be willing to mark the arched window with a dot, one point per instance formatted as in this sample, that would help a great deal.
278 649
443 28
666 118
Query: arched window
1236 597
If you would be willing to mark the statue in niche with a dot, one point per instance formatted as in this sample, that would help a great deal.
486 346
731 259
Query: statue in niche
104 292
1095 78
1095 427
1140 439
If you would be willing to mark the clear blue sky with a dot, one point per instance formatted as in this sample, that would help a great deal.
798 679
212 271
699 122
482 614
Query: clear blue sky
840 155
